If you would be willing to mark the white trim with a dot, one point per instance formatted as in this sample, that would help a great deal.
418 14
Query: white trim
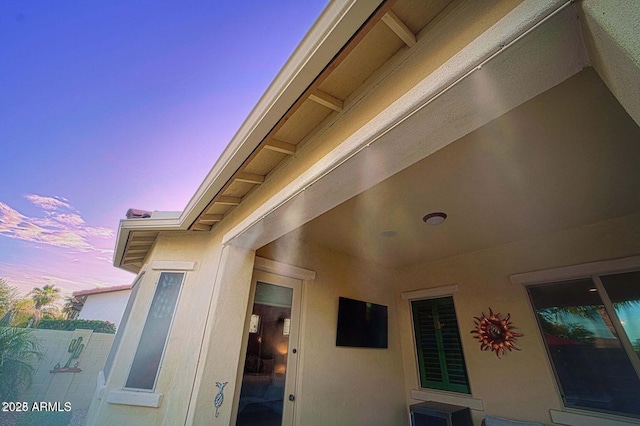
447 398
142 399
173 265
429 293
577 271
100 385
577 419
278 268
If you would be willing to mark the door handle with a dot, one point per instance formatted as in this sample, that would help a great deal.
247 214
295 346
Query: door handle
292 398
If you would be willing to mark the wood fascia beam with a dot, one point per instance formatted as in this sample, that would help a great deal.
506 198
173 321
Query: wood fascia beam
137 250
326 100
210 219
140 243
399 28
199 227
279 146
143 239
249 178
229 201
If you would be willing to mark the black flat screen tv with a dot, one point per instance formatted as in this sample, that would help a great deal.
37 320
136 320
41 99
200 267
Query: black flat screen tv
361 324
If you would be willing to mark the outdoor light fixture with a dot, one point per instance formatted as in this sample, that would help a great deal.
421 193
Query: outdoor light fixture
435 218
254 323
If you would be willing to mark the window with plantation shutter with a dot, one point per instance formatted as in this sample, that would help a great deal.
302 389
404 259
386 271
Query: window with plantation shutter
439 352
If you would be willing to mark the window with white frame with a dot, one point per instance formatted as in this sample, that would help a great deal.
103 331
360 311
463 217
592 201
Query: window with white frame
146 362
591 329
439 350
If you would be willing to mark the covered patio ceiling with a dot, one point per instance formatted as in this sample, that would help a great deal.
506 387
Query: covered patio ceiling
565 159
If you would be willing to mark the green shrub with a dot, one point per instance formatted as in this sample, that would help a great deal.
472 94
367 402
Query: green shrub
18 349
69 325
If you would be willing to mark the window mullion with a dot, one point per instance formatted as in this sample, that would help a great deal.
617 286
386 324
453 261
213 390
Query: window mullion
617 325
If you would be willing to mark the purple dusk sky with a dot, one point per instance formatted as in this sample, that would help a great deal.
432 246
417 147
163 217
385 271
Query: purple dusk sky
107 105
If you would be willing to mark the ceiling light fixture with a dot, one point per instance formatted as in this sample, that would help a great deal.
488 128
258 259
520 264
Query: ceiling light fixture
435 218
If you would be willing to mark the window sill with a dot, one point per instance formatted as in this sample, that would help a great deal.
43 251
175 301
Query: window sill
571 418
447 398
141 399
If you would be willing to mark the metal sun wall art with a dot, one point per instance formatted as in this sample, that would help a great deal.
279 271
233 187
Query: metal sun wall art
495 333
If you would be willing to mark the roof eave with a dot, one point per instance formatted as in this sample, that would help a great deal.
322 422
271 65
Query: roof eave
336 25
339 21
127 226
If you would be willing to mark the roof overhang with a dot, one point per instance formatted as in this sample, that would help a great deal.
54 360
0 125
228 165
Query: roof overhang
336 25
151 226
333 29
436 109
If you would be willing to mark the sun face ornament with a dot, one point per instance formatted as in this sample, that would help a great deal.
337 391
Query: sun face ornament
495 333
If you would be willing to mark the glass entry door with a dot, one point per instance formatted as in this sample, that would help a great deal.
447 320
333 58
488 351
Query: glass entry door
267 392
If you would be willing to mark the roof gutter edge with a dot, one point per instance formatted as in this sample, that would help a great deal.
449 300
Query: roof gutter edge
332 30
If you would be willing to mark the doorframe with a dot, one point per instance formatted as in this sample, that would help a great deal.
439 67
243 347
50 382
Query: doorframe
305 276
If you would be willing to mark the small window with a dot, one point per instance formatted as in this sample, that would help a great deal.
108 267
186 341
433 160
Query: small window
592 334
146 362
439 351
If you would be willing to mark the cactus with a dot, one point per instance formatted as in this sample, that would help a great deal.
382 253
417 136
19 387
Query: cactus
75 349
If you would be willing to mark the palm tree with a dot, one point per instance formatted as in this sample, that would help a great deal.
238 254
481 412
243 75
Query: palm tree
18 348
42 298
8 295
72 306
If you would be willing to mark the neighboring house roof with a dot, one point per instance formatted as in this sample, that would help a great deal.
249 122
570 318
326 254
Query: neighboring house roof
101 290
331 72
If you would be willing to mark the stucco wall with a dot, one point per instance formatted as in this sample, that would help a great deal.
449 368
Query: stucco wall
105 306
521 384
180 360
359 386
75 388
342 385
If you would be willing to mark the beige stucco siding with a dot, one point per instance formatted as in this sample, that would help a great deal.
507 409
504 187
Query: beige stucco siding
342 385
178 365
521 384
363 386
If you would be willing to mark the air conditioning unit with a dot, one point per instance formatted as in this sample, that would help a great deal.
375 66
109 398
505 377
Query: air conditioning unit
432 413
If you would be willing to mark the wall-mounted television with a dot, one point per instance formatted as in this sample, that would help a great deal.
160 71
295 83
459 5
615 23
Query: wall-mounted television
362 324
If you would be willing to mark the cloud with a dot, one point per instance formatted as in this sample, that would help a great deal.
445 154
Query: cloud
61 226
49 203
